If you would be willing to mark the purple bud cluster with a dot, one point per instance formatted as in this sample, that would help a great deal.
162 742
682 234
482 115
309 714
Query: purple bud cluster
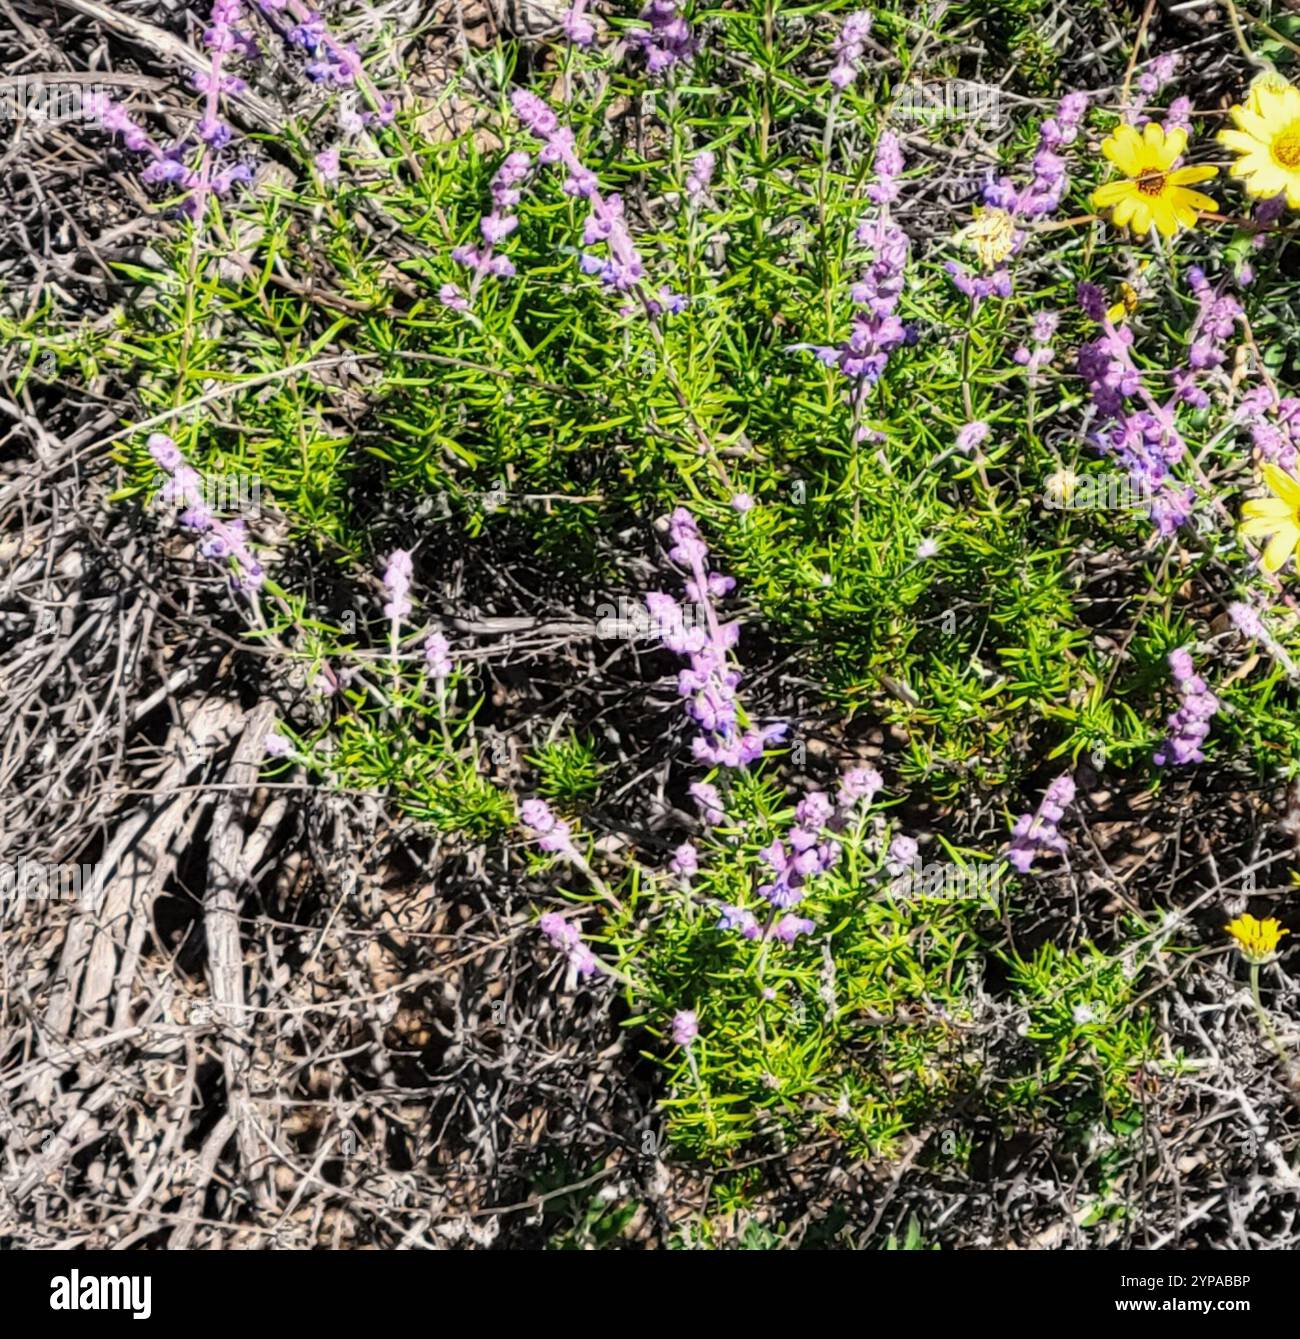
808 850
437 656
806 856
877 330
709 682
397 585
1145 440
1042 331
667 41
578 28
550 832
621 267
700 176
1046 187
1035 835
708 801
1188 726
507 191
223 542
1157 75
565 937
1274 426
686 1027
332 63
1216 318
850 47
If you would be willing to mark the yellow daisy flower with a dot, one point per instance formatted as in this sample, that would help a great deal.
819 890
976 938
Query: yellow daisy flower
992 236
1278 516
1155 192
1257 941
1267 140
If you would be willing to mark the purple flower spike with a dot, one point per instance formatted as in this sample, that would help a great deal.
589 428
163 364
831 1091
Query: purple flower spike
850 48
397 585
877 330
1036 835
686 1027
565 937
222 542
1189 725
667 41
549 832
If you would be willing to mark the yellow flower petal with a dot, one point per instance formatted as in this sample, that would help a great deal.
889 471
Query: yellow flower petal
1111 193
1189 176
1269 509
1125 210
1124 148
1280 548
1163 215
1165 149
1284 485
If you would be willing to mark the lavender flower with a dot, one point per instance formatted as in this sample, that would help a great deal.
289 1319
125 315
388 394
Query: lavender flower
857 787
709 683
700 177
739 920
1189 725
1041 195
452 298
621 267
223 542
1035 835
566 937
495 227
742 502
708 802
277 746
685 1027
803 855
970 436
1247 621
903 854
437 656
397 585
549 832
1157 74
877 330
1145 441
685 860
790 927
327 164
1042 332
849 48
578 28
667 41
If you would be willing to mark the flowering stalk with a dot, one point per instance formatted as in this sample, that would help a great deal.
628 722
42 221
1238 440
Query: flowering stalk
1036 834
621 268
495 227
709 683
1145 441
849 49
223 542
553 834
667 41
877 330
1189 725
